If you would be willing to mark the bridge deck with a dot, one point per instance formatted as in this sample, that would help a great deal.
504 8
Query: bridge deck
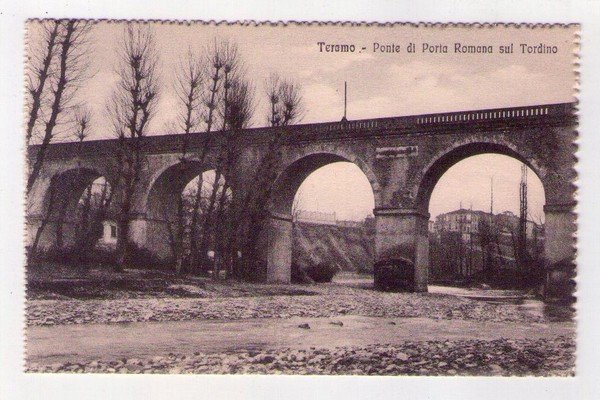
545 114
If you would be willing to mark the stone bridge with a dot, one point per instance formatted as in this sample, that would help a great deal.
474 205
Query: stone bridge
402 157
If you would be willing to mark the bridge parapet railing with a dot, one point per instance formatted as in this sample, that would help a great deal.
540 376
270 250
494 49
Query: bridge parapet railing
493 114
490 115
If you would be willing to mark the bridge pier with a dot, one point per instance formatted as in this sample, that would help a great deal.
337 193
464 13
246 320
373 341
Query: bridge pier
151 234
56 233
559 250
402 233
276 243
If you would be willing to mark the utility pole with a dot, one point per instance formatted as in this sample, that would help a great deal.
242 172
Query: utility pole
486 233
344 119
522 239
491 195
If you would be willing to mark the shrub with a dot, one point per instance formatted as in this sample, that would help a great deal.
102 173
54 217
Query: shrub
299 274
322 272
140 257
394 274
73 256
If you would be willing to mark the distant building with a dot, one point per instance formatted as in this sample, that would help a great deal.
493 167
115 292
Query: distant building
315 217
109 234
464 242
470 222
350 223
508 221
467 222
324 218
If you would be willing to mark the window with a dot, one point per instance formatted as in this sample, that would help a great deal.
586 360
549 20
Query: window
113 231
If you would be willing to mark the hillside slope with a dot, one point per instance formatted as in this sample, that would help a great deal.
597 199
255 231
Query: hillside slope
352 249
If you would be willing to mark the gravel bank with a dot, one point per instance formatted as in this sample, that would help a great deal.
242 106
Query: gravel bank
543 357
327 301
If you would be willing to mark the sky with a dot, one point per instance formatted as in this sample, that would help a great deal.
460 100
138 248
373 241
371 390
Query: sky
348 193
379 85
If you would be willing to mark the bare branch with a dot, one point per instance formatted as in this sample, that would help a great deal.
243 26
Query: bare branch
133 104
131 109
285 101
83 117
72 36
39 72
188 89
240 104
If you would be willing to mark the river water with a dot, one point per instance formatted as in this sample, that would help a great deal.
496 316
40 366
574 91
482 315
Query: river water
519 298
88 342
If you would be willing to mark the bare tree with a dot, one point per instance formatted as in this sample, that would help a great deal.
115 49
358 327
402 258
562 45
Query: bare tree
93 206
57 203
131 108
58 66
486 239
63 68
224 67
218 90
82 118
286 103
40 61
189 79
240 107
49 207
297 207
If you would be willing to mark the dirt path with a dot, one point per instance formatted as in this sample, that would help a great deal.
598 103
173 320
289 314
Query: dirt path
64 343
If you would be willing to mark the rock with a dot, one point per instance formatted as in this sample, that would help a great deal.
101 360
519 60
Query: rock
304 326
56 367
496 369
265 359
402 356
185 290
337 323
392 323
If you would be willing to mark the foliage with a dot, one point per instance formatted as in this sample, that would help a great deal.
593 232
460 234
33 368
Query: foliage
396 274
322 272
299 275
73 256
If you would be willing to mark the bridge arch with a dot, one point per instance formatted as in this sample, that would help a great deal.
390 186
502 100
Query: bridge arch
55 221
162 201
167 184
559 218
442 161
278 236
298 169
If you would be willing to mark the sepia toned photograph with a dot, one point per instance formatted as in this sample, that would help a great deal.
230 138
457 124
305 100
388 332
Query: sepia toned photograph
300 198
